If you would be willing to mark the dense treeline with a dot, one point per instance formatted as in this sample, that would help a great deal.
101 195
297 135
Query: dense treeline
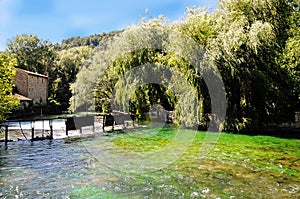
61 62
63 73
92 41
253 44
70 55
32 53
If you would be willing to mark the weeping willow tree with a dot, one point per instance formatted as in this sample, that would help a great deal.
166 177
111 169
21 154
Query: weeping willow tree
140 70
243 39
250 36
243 43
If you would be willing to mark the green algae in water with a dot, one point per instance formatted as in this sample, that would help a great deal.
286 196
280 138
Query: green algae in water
92 192
239 166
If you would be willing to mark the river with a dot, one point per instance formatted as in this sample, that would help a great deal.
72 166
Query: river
100 167
42 169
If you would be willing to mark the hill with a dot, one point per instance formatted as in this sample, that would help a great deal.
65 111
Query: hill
92 40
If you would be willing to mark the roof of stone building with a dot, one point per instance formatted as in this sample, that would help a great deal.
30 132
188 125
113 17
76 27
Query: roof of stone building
32 73
21 97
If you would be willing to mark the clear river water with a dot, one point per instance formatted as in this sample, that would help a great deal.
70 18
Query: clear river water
43 169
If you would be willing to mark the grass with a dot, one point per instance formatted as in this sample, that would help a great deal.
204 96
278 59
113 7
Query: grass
238 166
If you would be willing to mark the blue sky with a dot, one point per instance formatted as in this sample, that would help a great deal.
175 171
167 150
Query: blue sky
56 20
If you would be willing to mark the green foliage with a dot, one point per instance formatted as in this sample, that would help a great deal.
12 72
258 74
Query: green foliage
92 41
63 73
290 59
71 54
254 45
32 53
198 25
120 79
7 71
250 36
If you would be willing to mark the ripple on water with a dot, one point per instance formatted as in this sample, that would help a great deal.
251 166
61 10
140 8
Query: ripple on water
41 169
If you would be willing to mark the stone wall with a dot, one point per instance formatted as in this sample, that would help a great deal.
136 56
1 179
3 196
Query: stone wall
21 80
32 85
37 89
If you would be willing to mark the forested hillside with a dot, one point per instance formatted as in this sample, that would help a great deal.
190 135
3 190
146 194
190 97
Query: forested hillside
91 41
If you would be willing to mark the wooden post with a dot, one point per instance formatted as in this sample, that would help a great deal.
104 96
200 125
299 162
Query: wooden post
51 128
94 125
51 131
66 127
6 135
43 132
32 124
103 122
32 134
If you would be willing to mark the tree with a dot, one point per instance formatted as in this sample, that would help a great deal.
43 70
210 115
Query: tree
63 73
7 71
254 45
32 53
250 35
128 92
92 41
290 58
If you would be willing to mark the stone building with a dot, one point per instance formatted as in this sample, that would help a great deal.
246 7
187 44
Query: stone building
25 102
32 85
